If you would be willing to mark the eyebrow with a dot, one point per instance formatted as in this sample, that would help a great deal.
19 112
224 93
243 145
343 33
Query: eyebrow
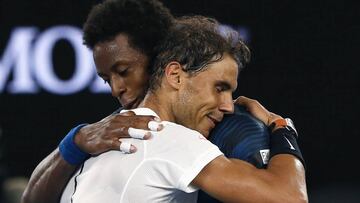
225 85
119 62
113 66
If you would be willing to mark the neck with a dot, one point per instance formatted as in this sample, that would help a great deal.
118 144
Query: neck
159 104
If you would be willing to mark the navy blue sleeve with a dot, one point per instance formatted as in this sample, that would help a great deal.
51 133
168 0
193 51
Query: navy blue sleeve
240 136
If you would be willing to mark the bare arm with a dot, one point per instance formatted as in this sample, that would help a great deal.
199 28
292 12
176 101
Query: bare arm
48 179
232 180
52 174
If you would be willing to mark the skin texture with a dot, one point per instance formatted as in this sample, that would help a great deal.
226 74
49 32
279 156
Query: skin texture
202 113
123 68
51 175
213 92
236 180
48 179
112 58
282 181
112 128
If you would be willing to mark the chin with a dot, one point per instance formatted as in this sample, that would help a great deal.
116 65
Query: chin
136 104
132 105
205 133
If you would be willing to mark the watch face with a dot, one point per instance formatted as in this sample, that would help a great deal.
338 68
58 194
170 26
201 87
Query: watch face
290 124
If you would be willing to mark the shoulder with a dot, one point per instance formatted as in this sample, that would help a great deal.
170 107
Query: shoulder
180 130
242 136
184 140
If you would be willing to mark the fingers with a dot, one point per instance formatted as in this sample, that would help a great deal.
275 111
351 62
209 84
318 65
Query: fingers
124 132
139 127
144 134
132 114
127 147
128 113
242 100
139 133
155 125
140 122
257 110
104 135
123 146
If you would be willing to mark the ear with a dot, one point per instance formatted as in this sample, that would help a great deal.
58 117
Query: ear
173 74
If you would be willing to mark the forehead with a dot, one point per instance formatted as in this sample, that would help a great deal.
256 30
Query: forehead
225 70
115 50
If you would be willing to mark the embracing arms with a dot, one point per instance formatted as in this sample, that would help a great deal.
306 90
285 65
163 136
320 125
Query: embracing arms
52 174
232 180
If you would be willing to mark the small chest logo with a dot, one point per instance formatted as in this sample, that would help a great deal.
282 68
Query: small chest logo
265 153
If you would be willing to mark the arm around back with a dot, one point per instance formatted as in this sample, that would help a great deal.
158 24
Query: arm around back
50 177
48 180
233 180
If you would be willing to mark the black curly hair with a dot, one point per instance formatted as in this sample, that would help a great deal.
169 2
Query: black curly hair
195 42
144 22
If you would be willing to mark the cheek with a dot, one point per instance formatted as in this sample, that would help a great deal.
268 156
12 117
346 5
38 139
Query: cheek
185 97
137 81
207 93
140 83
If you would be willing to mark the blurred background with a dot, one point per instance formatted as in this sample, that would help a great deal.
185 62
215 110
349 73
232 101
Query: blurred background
305 66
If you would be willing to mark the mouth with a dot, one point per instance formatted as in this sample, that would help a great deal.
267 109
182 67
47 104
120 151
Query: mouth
129 103
213 121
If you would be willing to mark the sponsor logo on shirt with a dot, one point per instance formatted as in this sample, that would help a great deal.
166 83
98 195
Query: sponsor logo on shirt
265 153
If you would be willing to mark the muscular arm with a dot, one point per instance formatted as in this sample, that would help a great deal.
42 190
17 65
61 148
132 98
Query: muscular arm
52 174
233 180
238 181
48 179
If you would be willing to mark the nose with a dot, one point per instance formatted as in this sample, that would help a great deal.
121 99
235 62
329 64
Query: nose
227 104
118 86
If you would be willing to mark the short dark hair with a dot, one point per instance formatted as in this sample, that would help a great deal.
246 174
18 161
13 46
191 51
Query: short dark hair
195 42
145 22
